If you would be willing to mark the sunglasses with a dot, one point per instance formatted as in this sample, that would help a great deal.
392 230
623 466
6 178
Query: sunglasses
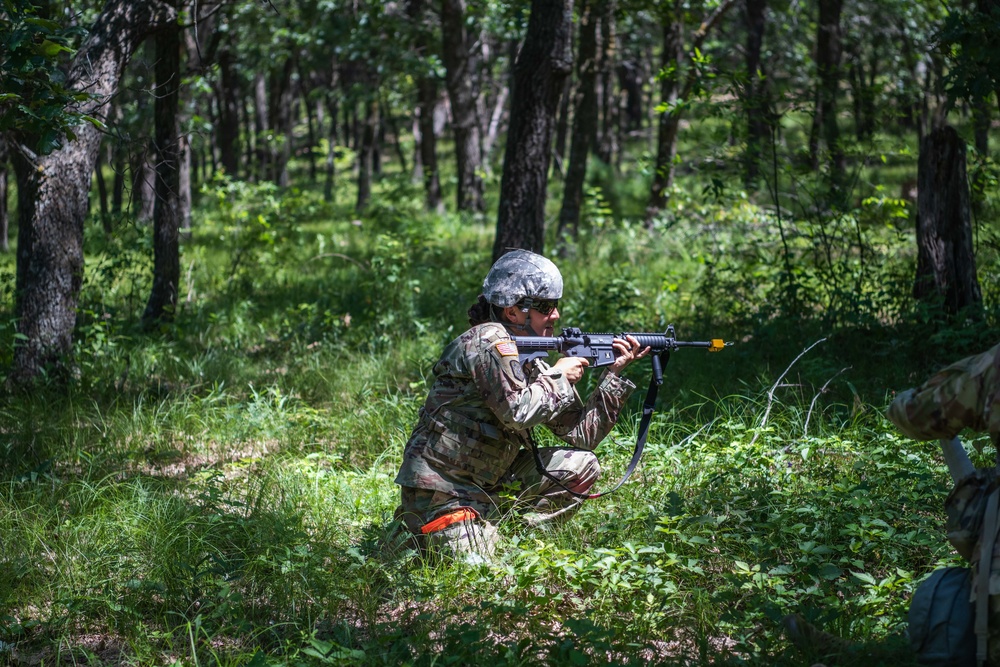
544 306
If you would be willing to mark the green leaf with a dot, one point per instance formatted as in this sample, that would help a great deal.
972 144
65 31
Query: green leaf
829 571
50 49
96 123
42 23
864 576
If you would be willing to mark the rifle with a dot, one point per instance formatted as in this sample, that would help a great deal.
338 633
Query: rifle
598 348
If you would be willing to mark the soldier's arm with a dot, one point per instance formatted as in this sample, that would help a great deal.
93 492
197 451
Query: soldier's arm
954 398
517 403
584 426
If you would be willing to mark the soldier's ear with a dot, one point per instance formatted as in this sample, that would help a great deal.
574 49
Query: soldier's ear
510 313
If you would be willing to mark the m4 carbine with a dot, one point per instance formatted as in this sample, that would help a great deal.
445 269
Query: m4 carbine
598 348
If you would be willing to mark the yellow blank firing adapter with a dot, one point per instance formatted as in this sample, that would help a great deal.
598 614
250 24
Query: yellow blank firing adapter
717 345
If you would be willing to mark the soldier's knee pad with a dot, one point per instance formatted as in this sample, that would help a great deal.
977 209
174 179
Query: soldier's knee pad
474 536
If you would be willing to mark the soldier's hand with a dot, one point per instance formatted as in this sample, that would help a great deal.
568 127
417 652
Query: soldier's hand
572 367
626 351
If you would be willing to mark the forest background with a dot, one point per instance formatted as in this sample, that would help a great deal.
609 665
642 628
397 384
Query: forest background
241 232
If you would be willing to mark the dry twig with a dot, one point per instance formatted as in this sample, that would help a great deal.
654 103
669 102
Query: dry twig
770 394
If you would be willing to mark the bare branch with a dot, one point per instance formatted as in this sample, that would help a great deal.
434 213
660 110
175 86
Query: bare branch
770 394
822 390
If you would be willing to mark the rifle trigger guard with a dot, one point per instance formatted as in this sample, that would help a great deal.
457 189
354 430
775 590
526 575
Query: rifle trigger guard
525 357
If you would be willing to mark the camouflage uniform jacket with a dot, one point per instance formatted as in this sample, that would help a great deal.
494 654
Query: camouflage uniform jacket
481 409
964 394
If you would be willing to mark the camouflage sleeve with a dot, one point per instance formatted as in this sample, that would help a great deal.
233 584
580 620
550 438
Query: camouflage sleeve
956 397
585 426
517 403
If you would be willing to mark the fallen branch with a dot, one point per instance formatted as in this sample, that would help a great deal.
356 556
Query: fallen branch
822 390
770 394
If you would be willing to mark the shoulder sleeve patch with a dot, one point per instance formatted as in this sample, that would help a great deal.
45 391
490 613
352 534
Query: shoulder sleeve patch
513 368
507 348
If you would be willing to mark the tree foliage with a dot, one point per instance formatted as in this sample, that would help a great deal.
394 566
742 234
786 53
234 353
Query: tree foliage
35 101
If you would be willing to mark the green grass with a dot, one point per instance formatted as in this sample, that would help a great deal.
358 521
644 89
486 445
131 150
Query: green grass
220 491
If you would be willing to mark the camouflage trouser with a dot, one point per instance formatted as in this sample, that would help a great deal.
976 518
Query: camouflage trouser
522 490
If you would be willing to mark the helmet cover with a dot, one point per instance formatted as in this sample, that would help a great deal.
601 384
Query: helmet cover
520 274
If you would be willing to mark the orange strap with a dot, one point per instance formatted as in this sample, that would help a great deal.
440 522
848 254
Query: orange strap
445 520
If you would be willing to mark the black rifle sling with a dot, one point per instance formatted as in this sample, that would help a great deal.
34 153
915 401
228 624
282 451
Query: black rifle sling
640 443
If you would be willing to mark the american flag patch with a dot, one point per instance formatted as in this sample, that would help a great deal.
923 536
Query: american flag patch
507 348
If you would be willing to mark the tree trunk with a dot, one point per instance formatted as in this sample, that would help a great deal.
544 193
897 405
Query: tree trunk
53 191
332 106
119 161
4 211
584 121
366 154
755 98
862 80
261 127
545 61
461 60
493 131
981 123
630 80
228 132
828 56
144 183
377 144
184 182
946 264
385 113
562 125
102 193
869 91
311 135
670 117
167 213
282 105
608 145
427 100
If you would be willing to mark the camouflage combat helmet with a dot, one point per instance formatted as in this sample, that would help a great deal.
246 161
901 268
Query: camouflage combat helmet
522 274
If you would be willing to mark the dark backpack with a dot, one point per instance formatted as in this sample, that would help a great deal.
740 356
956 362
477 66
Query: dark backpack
942 620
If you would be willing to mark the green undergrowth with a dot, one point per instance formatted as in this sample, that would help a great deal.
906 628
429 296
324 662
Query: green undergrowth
220 491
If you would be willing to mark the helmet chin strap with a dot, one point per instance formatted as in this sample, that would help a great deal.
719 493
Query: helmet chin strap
528 303
526 327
